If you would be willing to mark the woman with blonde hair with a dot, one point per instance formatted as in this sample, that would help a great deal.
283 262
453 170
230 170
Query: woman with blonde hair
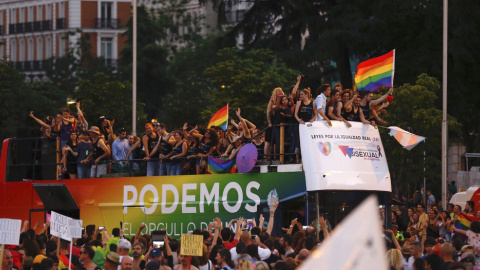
274 101
245 262
394 259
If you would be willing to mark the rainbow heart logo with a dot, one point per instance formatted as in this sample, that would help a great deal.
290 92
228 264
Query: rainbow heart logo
325 148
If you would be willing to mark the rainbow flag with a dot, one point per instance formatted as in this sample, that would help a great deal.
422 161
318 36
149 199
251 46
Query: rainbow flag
406 139
375 73
220 118
217 166
463 221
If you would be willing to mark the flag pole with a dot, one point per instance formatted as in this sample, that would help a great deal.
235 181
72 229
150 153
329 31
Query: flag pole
444 118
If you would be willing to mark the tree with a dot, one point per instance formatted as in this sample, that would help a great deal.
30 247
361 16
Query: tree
246 80
17 98
413 109
105 97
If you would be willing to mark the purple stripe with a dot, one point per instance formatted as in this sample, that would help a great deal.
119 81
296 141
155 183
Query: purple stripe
374 86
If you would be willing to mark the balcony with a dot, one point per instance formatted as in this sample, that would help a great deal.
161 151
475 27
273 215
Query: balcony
28 27
46 25
26 66
105 23
42 26
61 24
16 28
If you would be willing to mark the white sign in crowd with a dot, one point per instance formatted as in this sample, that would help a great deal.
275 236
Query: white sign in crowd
10 231
65 227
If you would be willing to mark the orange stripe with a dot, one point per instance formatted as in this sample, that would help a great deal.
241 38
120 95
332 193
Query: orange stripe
388 62
375 60
399 136
413 140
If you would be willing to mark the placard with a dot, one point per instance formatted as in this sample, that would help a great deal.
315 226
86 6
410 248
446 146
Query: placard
75 228
10 231
191 245
65 227
342 158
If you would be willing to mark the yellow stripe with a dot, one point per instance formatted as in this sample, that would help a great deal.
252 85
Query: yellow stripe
373 73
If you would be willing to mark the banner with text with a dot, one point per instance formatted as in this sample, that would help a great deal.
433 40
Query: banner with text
65 227
10 231
342 158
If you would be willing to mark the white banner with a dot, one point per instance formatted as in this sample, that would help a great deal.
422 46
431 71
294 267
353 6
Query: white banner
342 158
10 231
65 227
352 244
75 228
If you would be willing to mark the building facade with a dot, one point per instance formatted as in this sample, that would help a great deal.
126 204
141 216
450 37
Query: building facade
33 31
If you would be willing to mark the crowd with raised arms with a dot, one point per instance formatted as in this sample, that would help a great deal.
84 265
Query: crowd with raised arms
420 237
94 150
236 244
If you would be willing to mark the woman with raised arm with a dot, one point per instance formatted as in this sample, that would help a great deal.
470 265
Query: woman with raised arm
65 126
48 125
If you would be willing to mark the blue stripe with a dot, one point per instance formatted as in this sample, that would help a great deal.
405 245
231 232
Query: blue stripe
373 86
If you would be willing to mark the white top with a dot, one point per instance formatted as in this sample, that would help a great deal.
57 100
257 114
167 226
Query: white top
321 103
208 266
264 253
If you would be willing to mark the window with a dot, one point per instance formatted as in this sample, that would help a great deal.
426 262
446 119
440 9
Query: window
30 14
1 49
106 44
48 12
61 46
39 48
21 15
21 51
48 48
106 11
30 50
61 10
13 16
39 13
13 51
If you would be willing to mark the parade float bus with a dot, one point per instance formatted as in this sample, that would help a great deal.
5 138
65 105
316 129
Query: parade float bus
341 166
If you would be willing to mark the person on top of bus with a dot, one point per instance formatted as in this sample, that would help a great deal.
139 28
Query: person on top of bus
48 125
150 141
305 110
99 154
65 126
321 102
367 103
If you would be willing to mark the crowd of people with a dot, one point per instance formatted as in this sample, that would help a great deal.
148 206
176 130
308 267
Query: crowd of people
429 237
239 244
95 150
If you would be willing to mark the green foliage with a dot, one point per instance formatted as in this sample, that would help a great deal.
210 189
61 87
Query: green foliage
105 97
17 98
152 80
248 79
414 110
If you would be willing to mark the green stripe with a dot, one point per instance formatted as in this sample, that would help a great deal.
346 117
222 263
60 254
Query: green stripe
375 78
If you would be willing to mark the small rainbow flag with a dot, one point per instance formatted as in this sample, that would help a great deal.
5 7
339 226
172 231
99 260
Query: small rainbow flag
406 139
463 221
375 73
217 166
220 118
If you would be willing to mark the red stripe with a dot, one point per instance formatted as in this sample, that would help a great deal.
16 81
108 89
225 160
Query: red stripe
220 114
374 61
